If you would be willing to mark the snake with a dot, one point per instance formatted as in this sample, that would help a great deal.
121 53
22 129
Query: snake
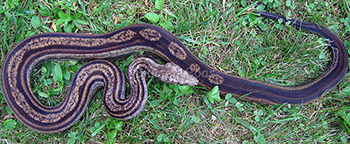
181 67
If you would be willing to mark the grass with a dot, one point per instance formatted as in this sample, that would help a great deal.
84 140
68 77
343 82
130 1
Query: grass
222 34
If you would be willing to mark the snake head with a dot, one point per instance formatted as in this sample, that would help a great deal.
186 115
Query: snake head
169 72
174 74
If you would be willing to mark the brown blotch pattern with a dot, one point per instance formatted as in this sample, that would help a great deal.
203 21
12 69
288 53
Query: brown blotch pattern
177 51
195 67
150 34
216 79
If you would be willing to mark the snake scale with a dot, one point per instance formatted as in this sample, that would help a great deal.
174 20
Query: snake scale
182 68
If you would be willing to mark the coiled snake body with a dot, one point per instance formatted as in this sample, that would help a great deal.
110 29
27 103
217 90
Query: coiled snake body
20 61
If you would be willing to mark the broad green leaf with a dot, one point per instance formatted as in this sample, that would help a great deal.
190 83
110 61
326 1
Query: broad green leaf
167 25
47 82
214 94
68 14
280 21
185 89
68 28
259 138
118 125
97 128
229 98
260 7
73 62
66 75
13 3
239 106
288 3
36 22
49 65
76 16
44 71
59 21
30 33
9 124
111 137
42 94
152 17
159 4
162 138
8 110
115 124
262 26
72 137
252 17
196 119
57 73
62 15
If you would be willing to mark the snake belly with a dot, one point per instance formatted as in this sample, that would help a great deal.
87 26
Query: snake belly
30 52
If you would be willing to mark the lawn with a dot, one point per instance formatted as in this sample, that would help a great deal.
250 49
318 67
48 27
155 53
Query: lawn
223 34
